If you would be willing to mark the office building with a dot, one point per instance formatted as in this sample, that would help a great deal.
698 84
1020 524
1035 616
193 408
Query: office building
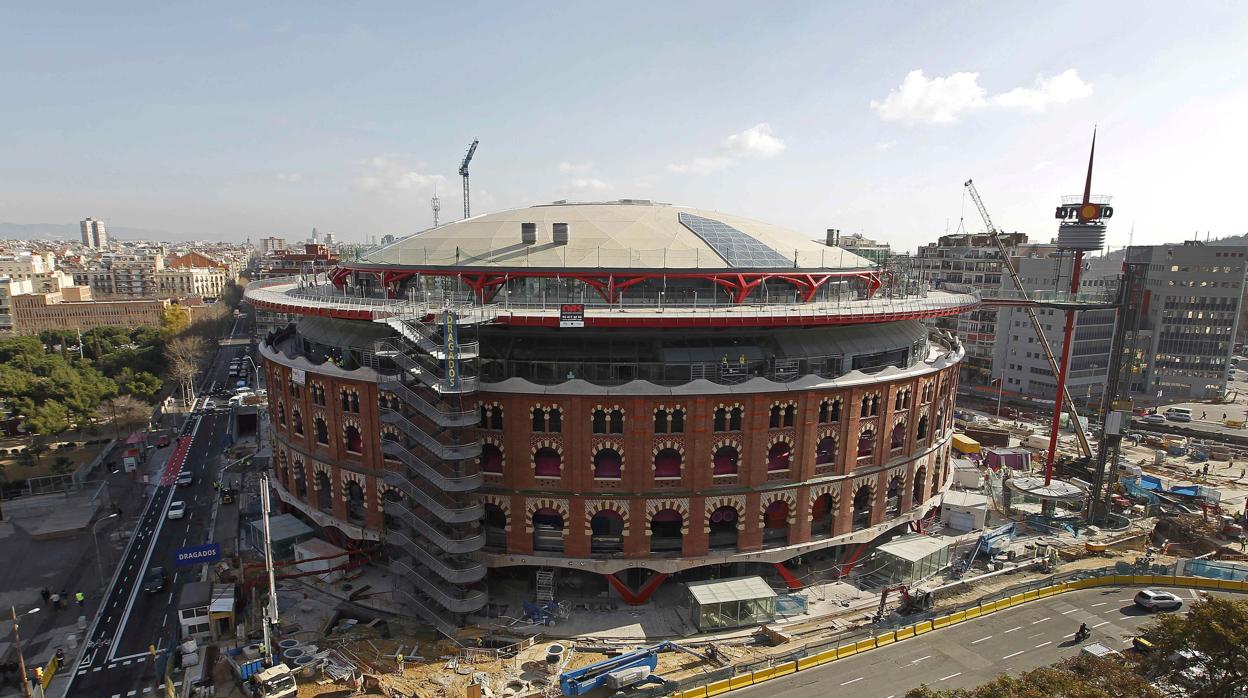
93 234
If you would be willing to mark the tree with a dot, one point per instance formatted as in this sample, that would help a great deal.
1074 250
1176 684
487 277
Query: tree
127 413
174 322
62 465
1216 628
1081 676
144 386
185 354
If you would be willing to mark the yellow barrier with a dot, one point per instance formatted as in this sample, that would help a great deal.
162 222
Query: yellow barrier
784 669
740 681
1030 596
924 627
905 632
715 688
761 675
1046 592
846 651
1017 599
885 639
699 692
827 656
940 622
864 645
957 617
972 612
807 662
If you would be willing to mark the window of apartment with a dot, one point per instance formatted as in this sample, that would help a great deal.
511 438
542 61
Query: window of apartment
728 418
669 420
608 421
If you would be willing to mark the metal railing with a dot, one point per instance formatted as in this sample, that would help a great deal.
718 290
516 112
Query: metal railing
445 451
458 546
446 418
468 514
467 603
468 572
457 483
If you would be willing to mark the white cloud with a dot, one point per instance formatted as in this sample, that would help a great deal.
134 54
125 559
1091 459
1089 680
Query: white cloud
1058 89
1042 164
941 100
289 177
588 184
885 146
754 142
575 167
387 174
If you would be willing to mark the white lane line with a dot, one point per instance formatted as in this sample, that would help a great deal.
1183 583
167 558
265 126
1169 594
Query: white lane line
1100 624
1099 604
1195 596
1044 644
981 640
1013 629
1014 655
98 668
127 662
1034 622
1070 611
852 681
921 659
131 693
108 619
116 695
943 678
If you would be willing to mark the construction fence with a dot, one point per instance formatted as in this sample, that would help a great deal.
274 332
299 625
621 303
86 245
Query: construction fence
818 654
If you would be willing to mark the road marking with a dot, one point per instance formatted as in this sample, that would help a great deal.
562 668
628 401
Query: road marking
1034 622
1069 635
1099 604
1195 596
921 659
1014 655
1044 644
943 678
1100 624
131 693
1070 611
1013 629
116 695
852 681
98 668
981 640
127 662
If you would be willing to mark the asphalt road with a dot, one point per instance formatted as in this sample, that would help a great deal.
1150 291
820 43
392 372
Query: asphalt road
974 652
116 661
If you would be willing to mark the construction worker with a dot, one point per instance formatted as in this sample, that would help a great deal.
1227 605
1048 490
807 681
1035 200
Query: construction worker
398 659
80 598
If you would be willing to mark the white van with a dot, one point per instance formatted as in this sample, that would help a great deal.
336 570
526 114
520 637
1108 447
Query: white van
1179 414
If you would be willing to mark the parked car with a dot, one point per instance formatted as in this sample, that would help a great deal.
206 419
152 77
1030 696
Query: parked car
1154 419
162 440
186 480
177 510
1155 600
154 580
1179 414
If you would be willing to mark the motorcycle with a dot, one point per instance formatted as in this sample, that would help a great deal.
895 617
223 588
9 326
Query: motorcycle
1082 634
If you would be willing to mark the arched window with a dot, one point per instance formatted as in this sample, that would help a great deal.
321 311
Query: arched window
866 407
790 414
616 419
346 400
875 405
355 501
301 481
547 531
778 456
665 532
892 501
921 434
776 524
608 464
491 459
355 402
723 525
734 419
773 420
866 443
599 421
495 525
898 438
354 442
721 419
496 417
297 418
322 431
539 418
547 462
920 479
678 420
864 498
667 463
821 516
725 461
825 451
324 493
554 420
281 413
606 533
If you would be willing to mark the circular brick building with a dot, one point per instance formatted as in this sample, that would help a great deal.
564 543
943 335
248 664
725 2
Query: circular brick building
605 394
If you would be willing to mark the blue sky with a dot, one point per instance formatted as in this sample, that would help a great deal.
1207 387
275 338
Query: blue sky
226 121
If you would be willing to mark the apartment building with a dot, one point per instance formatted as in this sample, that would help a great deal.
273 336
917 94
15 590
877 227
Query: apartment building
74 308
93 234
973 260
205 282
1186 338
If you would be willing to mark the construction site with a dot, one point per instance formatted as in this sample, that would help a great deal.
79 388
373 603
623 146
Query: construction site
499 543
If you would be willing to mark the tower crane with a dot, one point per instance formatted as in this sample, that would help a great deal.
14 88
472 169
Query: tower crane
463 172
1008 263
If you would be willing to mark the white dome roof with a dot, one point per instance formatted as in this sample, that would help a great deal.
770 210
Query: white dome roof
626 234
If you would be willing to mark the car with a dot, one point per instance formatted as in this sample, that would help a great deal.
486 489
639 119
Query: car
1179 414
177 510
209 405
162 441
186 480
1154 419
1155 600
154 580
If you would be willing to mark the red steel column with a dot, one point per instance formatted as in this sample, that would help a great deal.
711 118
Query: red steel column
1062 368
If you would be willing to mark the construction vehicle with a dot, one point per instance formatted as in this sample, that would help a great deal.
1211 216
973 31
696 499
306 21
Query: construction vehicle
907 603
625 670
990 543
274 682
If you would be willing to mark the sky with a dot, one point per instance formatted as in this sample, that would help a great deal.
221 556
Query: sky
223 120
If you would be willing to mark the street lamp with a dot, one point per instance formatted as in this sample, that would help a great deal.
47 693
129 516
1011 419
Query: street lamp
17 642
99 565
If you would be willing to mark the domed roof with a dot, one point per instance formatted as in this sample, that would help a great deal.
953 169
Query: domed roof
625 234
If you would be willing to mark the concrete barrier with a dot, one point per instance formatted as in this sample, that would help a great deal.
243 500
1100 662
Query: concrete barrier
784 669
864 645
885 639
906 632
740 681
924 627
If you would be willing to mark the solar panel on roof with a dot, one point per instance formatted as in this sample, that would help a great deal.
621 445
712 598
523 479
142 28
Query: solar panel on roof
737 248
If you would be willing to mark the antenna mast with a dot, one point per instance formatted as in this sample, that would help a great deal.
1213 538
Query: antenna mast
463 172
436 204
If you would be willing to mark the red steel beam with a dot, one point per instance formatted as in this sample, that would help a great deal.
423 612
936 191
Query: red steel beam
1063 368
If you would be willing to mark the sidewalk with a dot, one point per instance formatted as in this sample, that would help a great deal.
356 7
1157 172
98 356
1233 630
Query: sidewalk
66 563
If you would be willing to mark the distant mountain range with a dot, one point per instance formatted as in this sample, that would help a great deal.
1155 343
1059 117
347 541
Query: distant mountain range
71 231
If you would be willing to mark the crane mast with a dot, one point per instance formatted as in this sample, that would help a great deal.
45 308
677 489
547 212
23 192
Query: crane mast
1008 263
463 172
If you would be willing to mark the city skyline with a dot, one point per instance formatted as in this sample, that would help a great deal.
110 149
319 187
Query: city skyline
257 122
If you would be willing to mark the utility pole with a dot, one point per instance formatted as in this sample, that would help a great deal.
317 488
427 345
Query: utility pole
21 661
270 612
463 172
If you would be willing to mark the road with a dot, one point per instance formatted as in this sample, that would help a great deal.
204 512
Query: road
974 652
116 661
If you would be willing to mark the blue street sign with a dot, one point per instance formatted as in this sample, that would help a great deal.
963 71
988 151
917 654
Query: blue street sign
185 557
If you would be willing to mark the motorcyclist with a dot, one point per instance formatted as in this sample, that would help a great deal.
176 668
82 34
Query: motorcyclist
1083 630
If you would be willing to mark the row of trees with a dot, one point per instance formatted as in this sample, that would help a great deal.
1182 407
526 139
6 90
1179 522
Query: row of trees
1201 653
